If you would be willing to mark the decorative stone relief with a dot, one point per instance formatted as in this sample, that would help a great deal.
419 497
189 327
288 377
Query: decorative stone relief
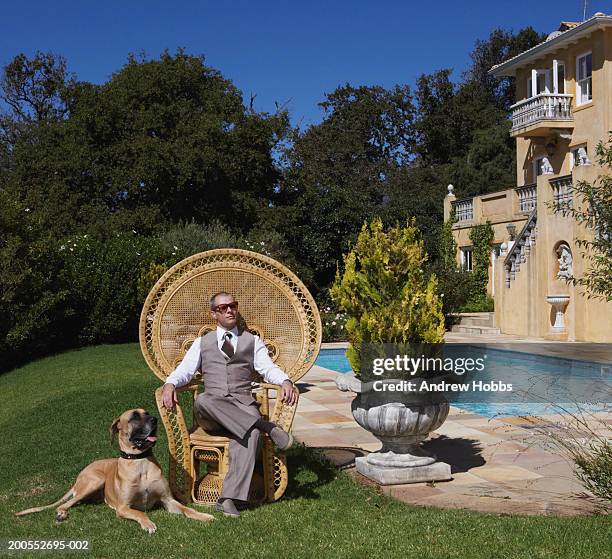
564 257
583 158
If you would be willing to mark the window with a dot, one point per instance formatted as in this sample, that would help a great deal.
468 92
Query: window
584 71
466 258
529 92
542 82
560 77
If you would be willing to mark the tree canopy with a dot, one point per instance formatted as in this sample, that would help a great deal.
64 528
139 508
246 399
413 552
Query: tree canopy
99 182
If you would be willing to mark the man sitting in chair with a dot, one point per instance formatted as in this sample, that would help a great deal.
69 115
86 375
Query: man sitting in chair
227 358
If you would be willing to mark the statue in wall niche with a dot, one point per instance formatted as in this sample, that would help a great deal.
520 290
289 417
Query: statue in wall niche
583 159
564 257
547 168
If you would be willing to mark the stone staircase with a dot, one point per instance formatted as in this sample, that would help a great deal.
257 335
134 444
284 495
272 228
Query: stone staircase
522 247
476 323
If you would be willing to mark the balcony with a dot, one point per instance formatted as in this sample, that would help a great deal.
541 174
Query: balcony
537 115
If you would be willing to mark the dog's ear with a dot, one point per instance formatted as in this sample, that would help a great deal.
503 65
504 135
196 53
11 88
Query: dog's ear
114 429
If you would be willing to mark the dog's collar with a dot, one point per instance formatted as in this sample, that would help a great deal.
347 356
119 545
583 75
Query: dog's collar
128 456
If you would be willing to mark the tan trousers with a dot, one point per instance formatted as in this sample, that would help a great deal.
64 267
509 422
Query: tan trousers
239 419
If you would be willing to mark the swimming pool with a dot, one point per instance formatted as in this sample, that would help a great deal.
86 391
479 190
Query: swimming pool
334 359
562 376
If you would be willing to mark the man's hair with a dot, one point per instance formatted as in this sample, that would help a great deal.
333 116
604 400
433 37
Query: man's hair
213 299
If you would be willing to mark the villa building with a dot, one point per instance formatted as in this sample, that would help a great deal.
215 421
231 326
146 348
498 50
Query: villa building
563 110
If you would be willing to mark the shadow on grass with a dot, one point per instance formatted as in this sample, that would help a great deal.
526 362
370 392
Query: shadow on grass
308 472
461 454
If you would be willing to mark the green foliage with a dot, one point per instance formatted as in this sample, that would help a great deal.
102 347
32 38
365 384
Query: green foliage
31 296
34 90
105 170
102 276
187 238
481 236
455 286
338 172
593 208
447 253
594 464
500 46
385 292
478 303
454 289
162 141
148 278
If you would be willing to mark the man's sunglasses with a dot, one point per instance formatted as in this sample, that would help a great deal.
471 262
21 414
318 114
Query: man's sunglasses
224 307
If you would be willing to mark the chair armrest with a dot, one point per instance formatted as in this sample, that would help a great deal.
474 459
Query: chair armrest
283 413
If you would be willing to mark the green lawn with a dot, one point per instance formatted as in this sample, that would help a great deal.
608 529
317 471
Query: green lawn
55 414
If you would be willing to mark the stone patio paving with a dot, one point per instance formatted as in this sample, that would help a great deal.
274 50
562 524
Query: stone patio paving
498 465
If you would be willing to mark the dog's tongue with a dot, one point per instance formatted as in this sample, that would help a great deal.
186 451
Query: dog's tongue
151 439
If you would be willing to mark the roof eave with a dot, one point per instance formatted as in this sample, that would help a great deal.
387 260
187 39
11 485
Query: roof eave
509 67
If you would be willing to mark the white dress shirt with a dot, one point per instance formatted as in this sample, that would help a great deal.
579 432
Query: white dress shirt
193 358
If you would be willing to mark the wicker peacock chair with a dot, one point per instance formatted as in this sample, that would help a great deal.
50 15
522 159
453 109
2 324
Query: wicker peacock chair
275 305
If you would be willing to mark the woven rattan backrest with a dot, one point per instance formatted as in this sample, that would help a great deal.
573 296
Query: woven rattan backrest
273 303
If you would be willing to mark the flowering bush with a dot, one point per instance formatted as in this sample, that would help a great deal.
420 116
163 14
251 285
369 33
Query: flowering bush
334 323
102 275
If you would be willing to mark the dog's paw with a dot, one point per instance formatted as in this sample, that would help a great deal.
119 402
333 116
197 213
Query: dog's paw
150 527
61 515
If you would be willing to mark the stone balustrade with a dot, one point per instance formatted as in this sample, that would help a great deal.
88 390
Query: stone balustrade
545 106
562 192
527 196
521 249
464 209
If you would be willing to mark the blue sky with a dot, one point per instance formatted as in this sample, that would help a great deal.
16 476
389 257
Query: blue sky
289 52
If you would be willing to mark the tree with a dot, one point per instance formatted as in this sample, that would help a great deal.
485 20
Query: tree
337 173
463 128
108 167
162 141
387 297
499 47
34 90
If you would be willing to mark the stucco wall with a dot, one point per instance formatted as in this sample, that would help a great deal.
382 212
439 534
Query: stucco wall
522 308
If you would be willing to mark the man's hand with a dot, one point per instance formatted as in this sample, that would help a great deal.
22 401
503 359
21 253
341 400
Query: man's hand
169 398
288 393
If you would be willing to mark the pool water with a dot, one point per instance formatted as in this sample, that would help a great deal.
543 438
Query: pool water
334 359
523 368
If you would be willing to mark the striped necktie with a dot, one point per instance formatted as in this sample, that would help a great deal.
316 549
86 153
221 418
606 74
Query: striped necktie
227 346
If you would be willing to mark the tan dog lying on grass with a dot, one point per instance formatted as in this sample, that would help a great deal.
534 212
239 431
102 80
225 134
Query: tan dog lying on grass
131 484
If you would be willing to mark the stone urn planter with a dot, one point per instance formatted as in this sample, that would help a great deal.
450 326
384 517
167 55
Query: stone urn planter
400 421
